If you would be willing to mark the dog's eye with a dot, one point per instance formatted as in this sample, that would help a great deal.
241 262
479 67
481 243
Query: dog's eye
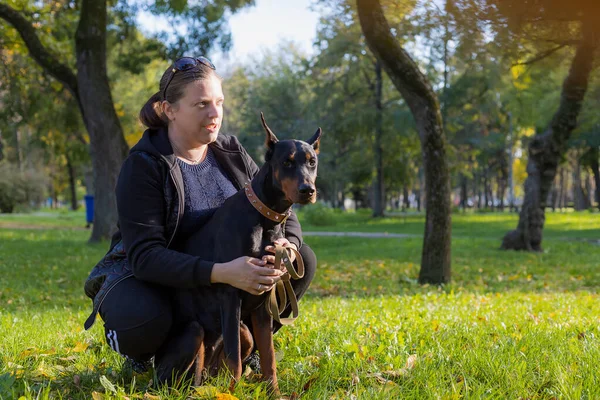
312 162
287 163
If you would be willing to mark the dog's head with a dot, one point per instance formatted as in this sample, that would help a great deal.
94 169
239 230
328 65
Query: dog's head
294 165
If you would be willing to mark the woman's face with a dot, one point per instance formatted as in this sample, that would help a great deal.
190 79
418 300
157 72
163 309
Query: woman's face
197 116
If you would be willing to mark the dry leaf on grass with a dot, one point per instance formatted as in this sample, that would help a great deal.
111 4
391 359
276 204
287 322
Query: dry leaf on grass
97 396
411 361
80 347
226 396
206 391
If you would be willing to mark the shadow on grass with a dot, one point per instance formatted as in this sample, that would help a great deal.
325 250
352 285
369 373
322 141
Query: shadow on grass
365 267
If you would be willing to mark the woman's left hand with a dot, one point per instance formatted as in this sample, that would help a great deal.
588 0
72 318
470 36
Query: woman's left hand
270 259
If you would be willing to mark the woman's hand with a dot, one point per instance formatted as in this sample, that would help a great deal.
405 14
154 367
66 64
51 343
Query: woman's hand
271 249
247 273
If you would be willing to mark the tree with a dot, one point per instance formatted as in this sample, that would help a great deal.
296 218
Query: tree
418 94
90 87
547 148
89 84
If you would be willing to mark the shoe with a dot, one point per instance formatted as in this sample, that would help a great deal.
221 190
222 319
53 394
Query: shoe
137 366
252 361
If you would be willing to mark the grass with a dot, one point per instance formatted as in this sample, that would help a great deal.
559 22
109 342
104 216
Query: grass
510 325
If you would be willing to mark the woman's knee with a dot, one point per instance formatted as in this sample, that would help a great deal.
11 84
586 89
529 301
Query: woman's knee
137 318
310 262
310 268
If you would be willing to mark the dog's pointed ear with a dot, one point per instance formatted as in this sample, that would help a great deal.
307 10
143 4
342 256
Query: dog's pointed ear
271 139
315 140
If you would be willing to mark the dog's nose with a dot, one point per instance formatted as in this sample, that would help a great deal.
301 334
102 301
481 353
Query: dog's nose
306 190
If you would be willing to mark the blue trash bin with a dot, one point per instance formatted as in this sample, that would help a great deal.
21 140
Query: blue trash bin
89 209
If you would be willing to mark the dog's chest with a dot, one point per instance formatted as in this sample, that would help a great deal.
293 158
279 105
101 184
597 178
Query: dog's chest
262 236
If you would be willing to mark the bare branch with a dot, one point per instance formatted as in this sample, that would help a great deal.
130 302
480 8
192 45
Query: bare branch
542 55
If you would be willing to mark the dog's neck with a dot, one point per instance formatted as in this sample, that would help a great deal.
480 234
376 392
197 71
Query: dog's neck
265 190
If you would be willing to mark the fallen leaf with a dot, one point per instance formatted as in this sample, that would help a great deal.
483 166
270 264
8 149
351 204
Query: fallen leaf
279 355
148 396
107 384
97 396
355 379
411 361
226 396
77 380
395 374
206 391
378 377
80 347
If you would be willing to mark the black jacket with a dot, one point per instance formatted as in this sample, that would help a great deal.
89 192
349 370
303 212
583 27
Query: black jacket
150 206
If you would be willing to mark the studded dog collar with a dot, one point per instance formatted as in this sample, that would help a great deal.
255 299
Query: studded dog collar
262 208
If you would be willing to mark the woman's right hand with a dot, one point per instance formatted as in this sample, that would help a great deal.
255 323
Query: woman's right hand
253 275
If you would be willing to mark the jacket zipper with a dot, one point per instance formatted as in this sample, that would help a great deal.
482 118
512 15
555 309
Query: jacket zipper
180 198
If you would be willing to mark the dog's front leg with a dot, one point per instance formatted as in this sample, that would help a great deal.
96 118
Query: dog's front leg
231 319
262 326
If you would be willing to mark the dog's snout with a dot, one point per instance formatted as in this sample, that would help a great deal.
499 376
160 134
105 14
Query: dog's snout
306 190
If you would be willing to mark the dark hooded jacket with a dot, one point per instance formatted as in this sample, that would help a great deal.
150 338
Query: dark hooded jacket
150 203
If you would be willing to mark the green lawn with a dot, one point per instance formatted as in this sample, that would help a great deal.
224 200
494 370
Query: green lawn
511 325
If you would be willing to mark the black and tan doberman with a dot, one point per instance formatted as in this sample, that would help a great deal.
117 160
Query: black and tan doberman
245 224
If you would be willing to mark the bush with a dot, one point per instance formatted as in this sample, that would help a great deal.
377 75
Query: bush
319 214
19 189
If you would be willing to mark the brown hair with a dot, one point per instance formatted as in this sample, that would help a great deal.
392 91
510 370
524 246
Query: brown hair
151 113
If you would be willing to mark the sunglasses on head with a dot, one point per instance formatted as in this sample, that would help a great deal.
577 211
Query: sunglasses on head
184 64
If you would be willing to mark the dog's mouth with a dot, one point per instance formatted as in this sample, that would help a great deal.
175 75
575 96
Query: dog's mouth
306 198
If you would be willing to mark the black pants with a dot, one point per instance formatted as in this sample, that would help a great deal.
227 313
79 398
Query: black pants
138 316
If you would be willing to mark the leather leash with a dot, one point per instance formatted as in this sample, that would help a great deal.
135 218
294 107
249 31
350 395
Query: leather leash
283 289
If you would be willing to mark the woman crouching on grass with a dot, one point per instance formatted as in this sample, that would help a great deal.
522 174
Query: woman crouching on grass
175 177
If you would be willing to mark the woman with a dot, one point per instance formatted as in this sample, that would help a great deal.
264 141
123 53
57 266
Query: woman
179 172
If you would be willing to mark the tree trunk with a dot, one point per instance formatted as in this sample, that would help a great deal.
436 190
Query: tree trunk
19 149
578 194
90 87
596 171
418 94
589 200
378 189
554 195
108 148
561 195
405 197
501 188
477 189
546 149
485 188
463 192
511 159
72 186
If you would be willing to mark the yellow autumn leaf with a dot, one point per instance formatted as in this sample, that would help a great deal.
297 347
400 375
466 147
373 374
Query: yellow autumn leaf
226 396
97 396
209 392
80 347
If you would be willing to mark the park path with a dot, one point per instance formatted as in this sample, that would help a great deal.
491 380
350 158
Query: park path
366 235
374 235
